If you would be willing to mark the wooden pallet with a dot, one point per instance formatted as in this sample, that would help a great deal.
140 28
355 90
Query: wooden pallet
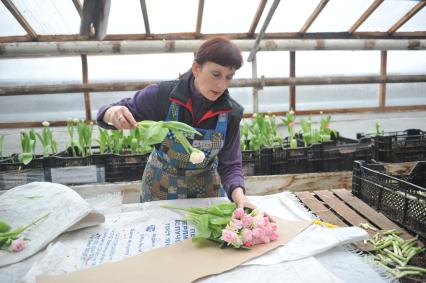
341 208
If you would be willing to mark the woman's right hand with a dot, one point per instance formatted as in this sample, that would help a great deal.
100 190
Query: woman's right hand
120 117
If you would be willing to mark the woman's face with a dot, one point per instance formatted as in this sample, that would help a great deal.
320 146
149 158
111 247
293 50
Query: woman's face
212 79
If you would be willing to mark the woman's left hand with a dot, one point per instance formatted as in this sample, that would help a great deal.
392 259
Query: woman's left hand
242 201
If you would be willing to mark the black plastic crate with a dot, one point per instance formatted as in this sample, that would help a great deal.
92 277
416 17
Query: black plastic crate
399 200
257 162
402 146
290 160
68 170
14 173
286 160
340 154
119 168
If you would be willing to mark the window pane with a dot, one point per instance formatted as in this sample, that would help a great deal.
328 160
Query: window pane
320 63
406 62
289 16
50 69
416 23
168 16
406 94
8 24
273 64
46 107
274 99
139 67
125 17
386 15
339 16
336 96
223 16
50 16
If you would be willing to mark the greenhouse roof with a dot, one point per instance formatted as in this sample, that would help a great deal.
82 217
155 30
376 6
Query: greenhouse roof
59 20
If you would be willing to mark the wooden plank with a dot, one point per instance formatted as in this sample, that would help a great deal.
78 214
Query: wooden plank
348 214
413 35
365 15
348 110
130 191
20 18
319 209
256 17
377 218
108 86
407 16
328 216
265 185
341 208
321 5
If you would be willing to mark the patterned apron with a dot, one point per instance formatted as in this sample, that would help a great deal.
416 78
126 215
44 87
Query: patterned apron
170 175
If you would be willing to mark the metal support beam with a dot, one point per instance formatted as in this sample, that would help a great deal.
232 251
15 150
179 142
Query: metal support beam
78 7
145 17
76 48
199 17
20 18
407 16
314 15
87 104
259 37
383 35
292 88
257 16
383 73
7 90
22 125
94 20
255 89
365 15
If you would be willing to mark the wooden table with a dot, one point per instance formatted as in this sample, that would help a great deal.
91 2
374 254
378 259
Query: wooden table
341 208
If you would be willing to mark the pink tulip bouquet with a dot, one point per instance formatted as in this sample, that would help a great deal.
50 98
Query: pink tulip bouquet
230 226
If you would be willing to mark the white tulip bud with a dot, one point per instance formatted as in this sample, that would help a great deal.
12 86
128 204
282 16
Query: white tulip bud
45 124
197 156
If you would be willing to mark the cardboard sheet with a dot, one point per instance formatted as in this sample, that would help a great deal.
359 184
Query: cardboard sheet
181 262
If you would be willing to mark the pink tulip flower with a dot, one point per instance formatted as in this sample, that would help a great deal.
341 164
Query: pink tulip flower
247 235
247 221
18 245
228 235
235 224
273 236
238 213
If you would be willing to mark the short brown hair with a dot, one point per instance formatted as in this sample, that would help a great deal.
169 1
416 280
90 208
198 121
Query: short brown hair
219 50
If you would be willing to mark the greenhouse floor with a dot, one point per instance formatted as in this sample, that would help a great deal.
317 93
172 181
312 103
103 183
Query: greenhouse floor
348 126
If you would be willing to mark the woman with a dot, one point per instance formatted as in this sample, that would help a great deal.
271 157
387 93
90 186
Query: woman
199 98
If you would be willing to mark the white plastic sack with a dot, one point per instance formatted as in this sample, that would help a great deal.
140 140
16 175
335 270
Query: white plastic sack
64 208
